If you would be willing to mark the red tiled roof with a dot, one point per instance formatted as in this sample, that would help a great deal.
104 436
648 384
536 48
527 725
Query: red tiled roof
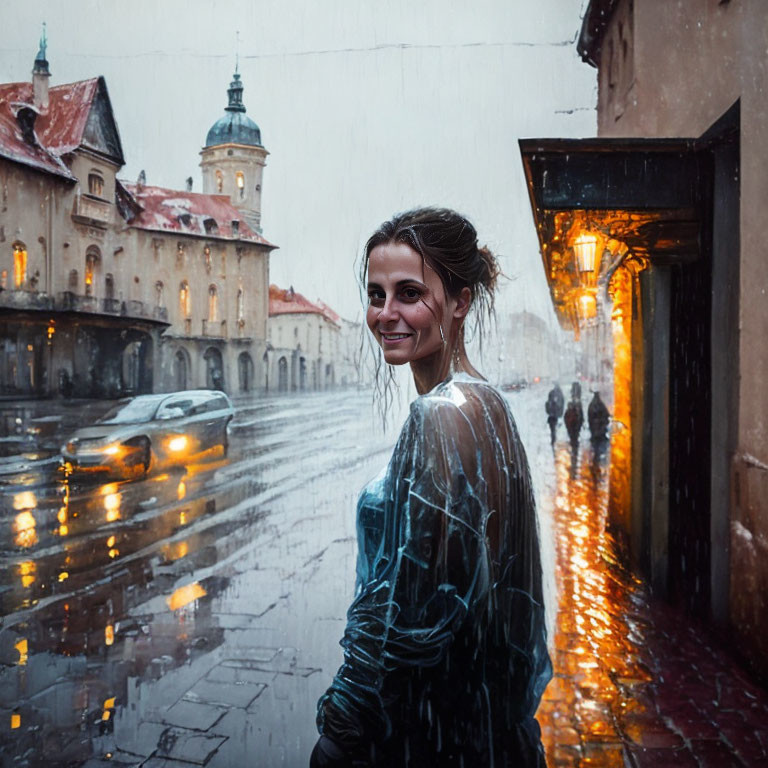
59 130
287 302
171 210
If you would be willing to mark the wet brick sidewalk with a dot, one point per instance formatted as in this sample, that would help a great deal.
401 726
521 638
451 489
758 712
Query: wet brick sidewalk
636 684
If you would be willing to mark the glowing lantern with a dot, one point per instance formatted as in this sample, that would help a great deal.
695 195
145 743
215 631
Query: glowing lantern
585 251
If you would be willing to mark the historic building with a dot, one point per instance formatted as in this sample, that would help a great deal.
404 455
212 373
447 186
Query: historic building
109 287
660 220
309 344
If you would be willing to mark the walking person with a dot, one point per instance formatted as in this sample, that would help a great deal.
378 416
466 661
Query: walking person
598 419
554 408
445 655
574 414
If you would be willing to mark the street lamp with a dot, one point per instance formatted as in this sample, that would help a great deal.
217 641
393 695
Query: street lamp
585 251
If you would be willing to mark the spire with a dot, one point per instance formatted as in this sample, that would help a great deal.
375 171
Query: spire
235 92
41 63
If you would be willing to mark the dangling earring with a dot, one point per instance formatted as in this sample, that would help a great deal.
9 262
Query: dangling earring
442 336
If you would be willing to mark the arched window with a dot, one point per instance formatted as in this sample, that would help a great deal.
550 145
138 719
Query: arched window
240 181
109 286
95 184
19 265
219 182
207 258
213 304
185 300
92 258
159 293
4 279
74 279
240 304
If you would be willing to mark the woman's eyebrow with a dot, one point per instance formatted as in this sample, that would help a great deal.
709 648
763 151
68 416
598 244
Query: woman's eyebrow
399 283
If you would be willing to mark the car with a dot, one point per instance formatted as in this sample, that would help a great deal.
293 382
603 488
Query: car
149 432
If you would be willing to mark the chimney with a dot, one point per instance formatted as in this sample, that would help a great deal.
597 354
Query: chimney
189 183
40 77
141 182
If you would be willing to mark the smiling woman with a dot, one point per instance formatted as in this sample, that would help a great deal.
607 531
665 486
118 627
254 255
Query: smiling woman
445 655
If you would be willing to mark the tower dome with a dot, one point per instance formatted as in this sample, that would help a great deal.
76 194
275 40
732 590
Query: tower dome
234 127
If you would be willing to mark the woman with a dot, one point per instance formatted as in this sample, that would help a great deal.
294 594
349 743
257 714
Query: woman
445 655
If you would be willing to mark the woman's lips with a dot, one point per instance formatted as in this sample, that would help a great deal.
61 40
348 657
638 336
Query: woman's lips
394 338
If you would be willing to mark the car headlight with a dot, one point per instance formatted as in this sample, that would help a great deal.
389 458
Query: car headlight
112 450
178 443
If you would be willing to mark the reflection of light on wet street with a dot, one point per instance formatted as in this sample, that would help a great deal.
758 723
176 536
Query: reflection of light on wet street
592 649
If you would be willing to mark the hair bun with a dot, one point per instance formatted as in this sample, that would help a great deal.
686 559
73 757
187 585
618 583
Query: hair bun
490 269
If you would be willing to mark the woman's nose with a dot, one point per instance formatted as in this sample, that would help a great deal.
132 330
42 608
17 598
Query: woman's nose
388 312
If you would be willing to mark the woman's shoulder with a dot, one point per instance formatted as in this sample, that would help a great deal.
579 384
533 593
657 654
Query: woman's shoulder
460 400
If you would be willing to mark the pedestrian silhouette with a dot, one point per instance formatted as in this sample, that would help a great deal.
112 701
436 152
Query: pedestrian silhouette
554 408
574 414
598 419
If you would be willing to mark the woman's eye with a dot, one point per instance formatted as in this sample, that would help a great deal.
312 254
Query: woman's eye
375 296
411 294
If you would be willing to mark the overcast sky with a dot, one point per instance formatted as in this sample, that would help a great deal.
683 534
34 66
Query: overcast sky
367 107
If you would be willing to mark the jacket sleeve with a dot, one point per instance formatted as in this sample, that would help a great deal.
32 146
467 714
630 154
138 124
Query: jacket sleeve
431 569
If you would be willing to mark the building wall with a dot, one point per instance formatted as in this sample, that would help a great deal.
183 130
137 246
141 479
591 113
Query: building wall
229 160
54 220
310 336
682 67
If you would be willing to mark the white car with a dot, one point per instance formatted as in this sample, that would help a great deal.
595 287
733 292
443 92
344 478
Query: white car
153 431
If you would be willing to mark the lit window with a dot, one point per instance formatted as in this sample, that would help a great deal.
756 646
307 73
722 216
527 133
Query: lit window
207 257
213 304
19 265
95 184
240 304
4 279
240 181
185 303
219 182
91 260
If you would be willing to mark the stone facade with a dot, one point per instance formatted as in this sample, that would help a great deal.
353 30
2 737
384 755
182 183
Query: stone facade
309 344
110 288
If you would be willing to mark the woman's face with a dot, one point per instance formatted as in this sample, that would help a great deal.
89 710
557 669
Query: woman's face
406 304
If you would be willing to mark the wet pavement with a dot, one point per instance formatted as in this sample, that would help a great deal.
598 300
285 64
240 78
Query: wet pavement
193 618
636 683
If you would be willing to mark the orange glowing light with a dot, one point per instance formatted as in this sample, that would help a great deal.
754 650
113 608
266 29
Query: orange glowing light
27 571
63 576
22 649
15 721
109 634
185 595
24 527
24 500
179 443
111 541
181 491
62 515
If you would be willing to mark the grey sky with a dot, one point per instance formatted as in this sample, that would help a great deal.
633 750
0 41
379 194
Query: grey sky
366 107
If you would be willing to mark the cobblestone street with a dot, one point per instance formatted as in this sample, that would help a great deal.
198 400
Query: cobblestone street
636 683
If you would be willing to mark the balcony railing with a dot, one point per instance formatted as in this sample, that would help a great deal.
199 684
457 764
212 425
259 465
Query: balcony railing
92 210
25 300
